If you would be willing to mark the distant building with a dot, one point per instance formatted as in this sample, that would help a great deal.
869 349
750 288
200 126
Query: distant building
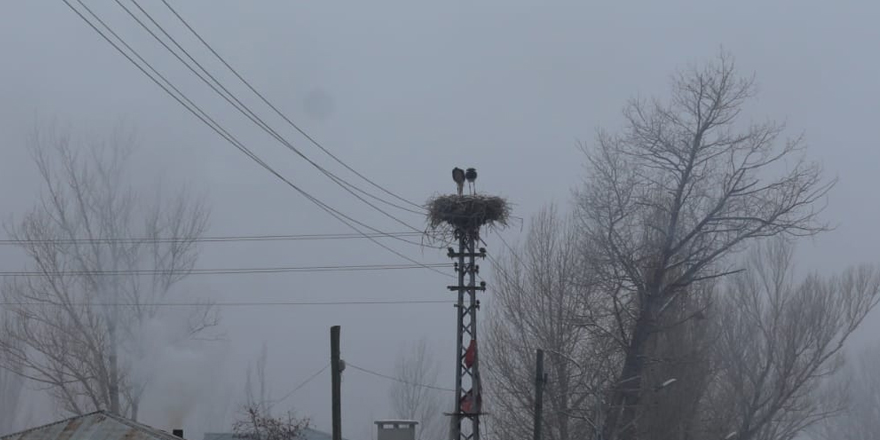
98 425
101 425
396 429
387 430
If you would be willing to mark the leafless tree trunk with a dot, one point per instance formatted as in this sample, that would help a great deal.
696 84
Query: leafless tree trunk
257 395
779 339
11 387
539 298
411 399
678 367
103 256
684 185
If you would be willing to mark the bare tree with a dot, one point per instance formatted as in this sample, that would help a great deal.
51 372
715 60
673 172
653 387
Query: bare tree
101 257
413 396
257 394
860 420
686 184
256 421
539 298
257 425
779 339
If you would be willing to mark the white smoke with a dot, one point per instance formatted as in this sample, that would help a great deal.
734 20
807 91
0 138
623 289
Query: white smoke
182 378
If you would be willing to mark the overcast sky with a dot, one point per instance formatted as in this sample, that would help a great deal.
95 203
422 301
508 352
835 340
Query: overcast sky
403 91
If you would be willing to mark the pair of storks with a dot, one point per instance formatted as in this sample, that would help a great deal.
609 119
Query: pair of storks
459 176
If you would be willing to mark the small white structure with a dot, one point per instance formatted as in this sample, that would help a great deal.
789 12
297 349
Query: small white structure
396 429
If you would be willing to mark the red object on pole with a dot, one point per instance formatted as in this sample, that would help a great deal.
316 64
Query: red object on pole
467 402
471 354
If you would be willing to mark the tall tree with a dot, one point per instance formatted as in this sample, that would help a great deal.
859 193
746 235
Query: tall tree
539 297
102 255
684 185
413 396
779 339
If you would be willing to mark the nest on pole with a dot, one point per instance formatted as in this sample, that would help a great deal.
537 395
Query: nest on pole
448 213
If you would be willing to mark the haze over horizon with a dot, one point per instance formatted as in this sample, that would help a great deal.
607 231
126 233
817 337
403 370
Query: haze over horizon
403 92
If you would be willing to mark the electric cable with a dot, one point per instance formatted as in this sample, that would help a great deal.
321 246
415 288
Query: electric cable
302 384
226 271
281 114
201 239
392 378
195 110
229 304
253 117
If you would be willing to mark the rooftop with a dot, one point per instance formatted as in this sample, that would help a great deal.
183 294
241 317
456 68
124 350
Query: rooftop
98 425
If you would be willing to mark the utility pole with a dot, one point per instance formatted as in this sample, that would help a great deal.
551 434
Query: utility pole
460 217
336 382
467 377
540 380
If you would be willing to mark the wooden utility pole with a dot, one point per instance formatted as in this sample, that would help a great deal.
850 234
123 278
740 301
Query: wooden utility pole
540 380
336 382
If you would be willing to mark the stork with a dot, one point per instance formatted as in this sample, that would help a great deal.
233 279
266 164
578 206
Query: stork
458 175
471 176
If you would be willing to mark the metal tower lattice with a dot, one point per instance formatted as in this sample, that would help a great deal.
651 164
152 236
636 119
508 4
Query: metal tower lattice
468 392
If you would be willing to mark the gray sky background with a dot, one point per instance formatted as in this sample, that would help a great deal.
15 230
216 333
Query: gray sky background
403 91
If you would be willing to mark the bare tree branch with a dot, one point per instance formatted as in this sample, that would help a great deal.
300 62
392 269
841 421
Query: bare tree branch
685 185
415 367
256 425
61 333
542 299
779 340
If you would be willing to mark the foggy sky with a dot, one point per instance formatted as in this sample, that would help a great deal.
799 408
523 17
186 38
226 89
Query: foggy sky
404 91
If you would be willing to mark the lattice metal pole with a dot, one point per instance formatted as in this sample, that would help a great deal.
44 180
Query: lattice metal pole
468 391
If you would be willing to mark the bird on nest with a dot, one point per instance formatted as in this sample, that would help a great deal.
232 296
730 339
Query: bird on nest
459 176
471 176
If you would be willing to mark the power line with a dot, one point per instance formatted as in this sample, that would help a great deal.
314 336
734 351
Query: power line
228 271
302 384
206 239
511 250
498 265
213 125
282 115
241 107
247 112
229 304
432 387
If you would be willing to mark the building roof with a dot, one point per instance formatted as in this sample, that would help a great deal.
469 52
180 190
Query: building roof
396 422
305 434
98 425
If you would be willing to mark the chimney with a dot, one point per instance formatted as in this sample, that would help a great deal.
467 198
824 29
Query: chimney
396 429
177 433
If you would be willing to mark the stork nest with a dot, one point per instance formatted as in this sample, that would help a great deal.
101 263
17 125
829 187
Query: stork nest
448 213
